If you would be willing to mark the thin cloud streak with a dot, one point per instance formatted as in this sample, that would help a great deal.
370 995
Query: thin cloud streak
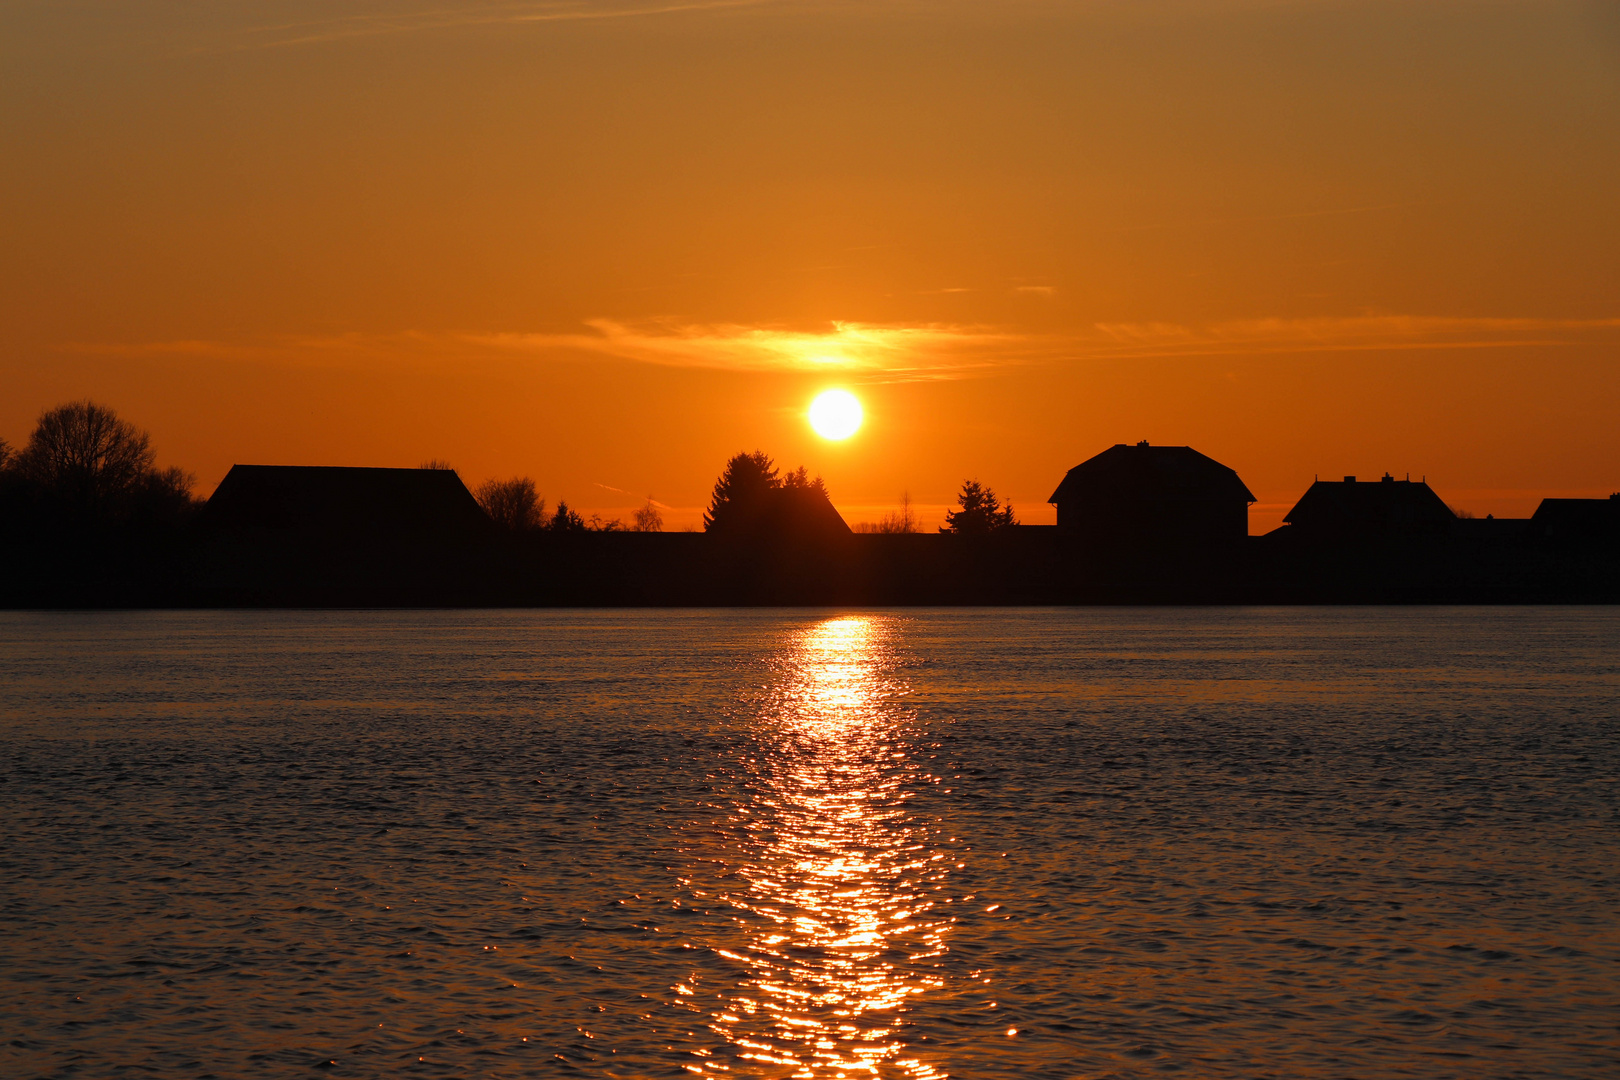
897 352
322 31
888 353
1246 219
631 495
868 352
1393 333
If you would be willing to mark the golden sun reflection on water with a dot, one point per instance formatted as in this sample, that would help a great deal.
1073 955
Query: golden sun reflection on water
836 887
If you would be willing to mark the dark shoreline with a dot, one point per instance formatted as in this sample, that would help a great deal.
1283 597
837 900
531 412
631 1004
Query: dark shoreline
1022 566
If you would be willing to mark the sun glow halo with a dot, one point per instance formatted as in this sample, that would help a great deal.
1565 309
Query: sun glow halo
835 414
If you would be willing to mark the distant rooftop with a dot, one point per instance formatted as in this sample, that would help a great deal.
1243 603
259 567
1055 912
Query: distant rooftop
1126 471
334 498
1383 502
1570 519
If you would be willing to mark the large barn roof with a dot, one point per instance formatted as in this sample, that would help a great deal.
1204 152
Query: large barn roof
1141 471
399 501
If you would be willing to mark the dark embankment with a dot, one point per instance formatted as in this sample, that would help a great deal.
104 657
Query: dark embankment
135 563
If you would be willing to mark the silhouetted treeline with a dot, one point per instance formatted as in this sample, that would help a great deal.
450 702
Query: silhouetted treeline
516 507
88 518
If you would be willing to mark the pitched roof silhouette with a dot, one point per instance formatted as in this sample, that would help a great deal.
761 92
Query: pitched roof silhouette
781 513
1142 471
1385 502
337 499
1578 519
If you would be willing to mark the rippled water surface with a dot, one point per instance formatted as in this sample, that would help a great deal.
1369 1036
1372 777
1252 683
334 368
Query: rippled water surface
1057 843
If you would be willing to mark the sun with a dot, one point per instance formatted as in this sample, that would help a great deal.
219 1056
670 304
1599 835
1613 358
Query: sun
835 414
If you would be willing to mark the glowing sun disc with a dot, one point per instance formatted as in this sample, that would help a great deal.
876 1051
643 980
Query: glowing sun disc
835 414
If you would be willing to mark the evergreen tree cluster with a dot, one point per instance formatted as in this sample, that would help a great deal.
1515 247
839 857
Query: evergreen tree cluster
753 501
981 512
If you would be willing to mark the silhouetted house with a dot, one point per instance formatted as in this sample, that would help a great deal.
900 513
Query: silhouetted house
1577 522
325 534
330 501
809 512
1348 510
1146 498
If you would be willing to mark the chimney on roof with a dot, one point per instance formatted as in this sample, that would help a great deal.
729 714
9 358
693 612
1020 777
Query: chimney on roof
1144 442
1388 479
1349 479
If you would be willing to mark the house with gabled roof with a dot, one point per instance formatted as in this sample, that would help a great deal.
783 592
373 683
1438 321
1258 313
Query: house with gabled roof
326 534
1576 522
333 500
1151 498
1349 509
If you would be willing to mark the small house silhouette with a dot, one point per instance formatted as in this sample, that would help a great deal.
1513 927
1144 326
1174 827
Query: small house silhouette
1348 509
1145 498
1578 521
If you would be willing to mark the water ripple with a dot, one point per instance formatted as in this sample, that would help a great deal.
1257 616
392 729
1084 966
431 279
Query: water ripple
791 844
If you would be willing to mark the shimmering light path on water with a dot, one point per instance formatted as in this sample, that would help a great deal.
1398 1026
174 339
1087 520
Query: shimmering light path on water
1301 843
840 894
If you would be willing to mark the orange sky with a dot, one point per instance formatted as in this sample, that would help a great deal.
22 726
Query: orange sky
609 244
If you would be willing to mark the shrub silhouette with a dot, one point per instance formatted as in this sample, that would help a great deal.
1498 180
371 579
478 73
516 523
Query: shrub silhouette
903 520
980 514
512 504
165 492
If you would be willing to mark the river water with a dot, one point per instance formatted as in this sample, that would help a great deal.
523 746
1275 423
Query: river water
974 843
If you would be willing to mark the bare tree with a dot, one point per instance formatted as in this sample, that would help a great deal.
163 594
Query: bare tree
5 455
84 452
648 519
512 504
903 520
437 465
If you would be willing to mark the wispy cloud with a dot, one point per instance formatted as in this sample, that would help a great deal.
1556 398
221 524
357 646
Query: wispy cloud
892 353
1350 334
379 23
632 495
926 351
861 350
1244 219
